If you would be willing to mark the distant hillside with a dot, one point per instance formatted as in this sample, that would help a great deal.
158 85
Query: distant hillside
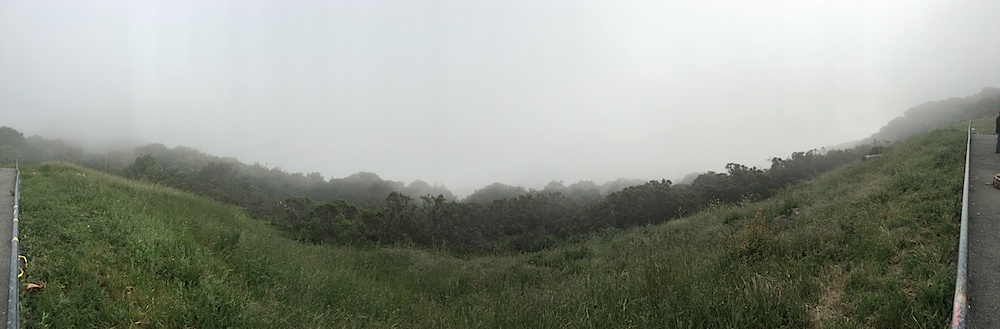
936 114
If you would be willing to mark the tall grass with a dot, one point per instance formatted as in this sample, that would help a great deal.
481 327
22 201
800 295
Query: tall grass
867 245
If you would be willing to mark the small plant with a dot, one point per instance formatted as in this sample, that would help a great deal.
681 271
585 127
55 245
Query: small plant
756 240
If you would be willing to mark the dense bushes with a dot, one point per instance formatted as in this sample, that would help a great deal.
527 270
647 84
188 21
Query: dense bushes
532 220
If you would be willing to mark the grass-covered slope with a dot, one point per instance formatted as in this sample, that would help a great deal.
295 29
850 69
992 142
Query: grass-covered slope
868 245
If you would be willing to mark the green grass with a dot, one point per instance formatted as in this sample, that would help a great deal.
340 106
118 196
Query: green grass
984 125
867 245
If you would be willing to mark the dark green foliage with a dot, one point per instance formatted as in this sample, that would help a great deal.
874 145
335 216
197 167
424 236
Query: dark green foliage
146 168
37 149
588 190
11 142
11 137
650 203
9 154
495 191
503 218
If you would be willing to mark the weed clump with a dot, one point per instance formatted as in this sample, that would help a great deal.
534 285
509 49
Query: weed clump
756 240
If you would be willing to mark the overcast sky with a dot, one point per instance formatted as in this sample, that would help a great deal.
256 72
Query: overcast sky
466 93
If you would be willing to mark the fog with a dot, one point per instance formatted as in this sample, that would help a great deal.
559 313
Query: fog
466 93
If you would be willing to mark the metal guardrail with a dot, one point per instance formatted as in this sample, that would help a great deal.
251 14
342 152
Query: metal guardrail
12 291
961 306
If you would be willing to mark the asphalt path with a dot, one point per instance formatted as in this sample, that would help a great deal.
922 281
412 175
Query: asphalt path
984 234
7 181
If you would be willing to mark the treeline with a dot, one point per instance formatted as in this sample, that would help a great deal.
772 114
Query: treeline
231 181
364 209
538 219
226 179
189 169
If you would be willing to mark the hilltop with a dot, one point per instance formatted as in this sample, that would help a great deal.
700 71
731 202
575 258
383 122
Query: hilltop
935 114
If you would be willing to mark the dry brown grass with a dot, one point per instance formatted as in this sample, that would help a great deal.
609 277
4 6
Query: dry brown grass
831 307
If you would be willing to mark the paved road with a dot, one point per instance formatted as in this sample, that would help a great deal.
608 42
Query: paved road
7 177
984 234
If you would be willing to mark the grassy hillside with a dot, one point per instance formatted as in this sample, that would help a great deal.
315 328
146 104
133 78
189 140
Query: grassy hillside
868 245
932 115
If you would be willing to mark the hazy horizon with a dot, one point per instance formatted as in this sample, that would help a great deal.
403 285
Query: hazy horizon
469 93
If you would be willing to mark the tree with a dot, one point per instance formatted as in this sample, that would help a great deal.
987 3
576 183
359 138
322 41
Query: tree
315 178
37 149
555 187
495 191
362 187
11 137
147 168
584 190
9 154
749 182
